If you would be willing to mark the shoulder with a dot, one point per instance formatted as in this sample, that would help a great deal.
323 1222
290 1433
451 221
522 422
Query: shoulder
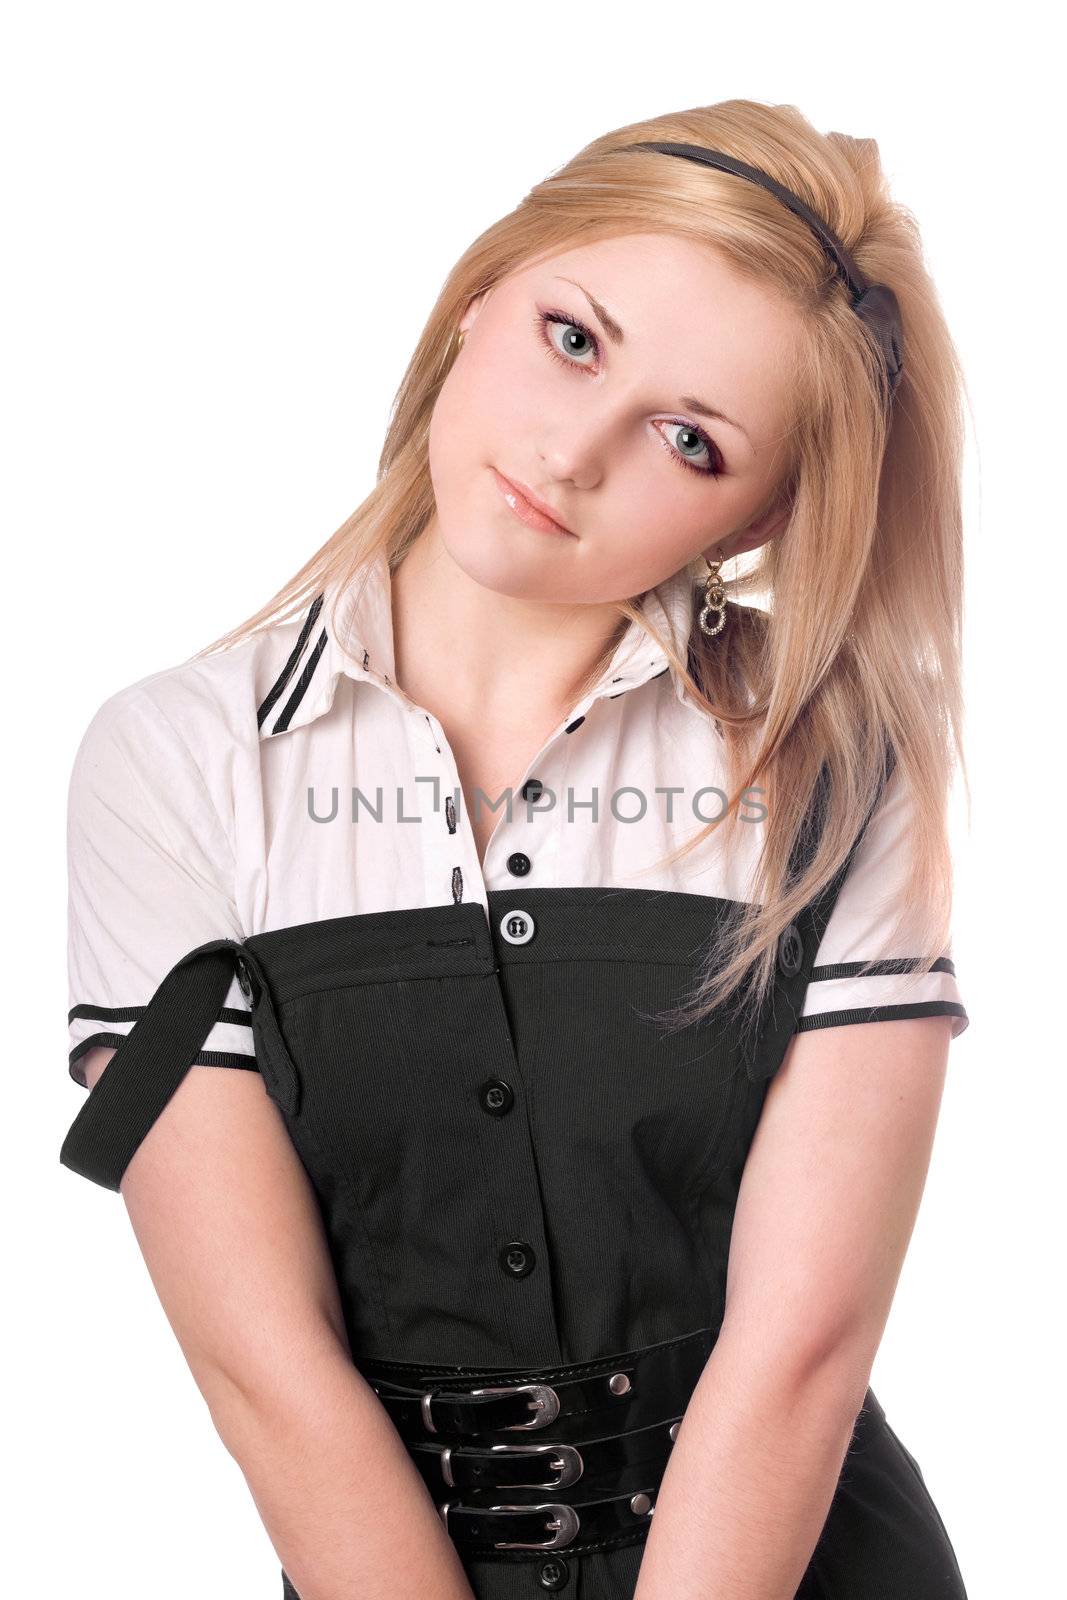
191 725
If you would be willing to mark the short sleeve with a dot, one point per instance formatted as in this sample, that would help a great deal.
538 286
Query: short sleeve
150 875
861 929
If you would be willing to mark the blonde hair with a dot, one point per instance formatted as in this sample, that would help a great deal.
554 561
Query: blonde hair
855 652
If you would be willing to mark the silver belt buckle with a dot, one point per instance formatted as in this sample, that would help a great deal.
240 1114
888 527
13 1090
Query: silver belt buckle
543 1399
564 1522
569 1462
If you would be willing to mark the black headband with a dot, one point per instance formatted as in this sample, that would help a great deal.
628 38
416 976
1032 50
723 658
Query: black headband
874 303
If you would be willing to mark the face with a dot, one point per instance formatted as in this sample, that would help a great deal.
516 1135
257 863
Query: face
595 400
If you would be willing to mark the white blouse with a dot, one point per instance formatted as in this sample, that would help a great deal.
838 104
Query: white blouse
290 779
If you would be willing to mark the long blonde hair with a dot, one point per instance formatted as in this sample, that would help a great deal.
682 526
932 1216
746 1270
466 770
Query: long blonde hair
854 650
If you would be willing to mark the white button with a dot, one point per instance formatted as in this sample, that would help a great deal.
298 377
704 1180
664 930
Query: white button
517 927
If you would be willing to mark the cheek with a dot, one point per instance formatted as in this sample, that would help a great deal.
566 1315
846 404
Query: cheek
511 386
655 503
651 521
452 415
490 403
453 441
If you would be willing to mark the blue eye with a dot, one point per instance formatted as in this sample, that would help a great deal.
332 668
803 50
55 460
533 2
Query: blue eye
545 320
570 329
698 441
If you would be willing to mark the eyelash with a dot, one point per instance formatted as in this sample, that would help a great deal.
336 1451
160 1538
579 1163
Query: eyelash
541 324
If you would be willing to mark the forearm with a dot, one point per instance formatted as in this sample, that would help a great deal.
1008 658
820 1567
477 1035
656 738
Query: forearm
342 1502
750 1479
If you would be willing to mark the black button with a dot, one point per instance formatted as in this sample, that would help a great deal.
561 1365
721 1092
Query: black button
519 864
532 789
575 724
790 950
496 1097
243 980
517 1258
553 1574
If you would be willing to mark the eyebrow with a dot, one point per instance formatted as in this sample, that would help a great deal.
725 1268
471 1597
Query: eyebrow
616 335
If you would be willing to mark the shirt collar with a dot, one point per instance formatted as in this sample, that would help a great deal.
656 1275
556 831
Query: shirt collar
350 633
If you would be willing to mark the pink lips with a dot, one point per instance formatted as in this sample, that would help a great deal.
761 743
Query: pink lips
527 507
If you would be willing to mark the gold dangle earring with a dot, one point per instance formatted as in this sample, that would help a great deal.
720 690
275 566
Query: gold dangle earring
714 598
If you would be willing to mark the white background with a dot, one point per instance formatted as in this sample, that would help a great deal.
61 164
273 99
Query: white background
225 226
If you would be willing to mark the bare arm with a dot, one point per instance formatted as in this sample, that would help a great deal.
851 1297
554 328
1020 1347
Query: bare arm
828 1202
230 1232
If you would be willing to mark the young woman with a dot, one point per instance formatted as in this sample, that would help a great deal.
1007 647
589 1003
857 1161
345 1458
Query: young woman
580 917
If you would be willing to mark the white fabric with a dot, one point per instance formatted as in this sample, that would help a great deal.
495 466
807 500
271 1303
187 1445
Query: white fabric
188 821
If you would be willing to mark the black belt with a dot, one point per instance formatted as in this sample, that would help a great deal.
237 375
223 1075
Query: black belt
594 1440
577 1452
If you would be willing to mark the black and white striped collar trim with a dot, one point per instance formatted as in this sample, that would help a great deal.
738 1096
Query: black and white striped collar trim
306 684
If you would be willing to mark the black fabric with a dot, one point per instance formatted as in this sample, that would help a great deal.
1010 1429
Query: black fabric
516 1165
149 1065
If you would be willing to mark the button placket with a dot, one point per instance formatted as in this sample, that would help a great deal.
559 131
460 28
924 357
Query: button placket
537 832
519 863
532 787
450 860
519 1250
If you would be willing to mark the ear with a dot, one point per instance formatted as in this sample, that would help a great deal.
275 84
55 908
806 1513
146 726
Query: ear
771 525
470 316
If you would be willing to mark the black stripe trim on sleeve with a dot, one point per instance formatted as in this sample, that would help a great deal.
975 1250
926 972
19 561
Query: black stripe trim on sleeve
880 969
276 689
207 1058
919 1008
301 685
131 1014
